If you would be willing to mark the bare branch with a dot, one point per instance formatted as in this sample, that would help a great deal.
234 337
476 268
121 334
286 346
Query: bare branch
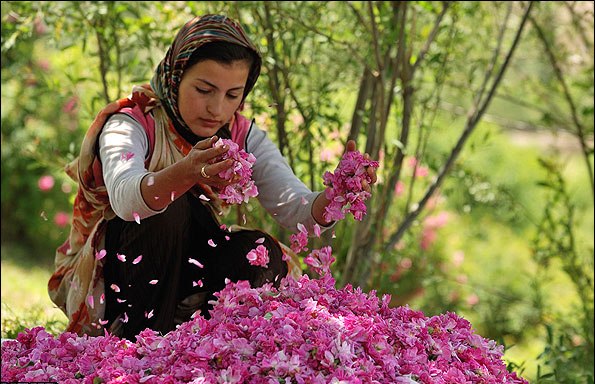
473 119
573 110
431 37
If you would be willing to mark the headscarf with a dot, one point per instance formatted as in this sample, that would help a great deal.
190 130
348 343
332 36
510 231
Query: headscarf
194 34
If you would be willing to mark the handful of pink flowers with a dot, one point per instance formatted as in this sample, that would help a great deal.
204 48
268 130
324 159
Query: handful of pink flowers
345 189
245 188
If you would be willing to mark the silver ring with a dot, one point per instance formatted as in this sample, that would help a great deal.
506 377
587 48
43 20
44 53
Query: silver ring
202 172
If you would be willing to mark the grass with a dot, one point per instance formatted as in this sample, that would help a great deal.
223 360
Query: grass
25 301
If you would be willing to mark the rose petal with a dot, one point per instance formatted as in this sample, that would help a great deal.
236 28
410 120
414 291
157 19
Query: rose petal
101 254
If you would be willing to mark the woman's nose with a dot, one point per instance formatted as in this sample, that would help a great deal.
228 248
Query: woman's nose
214 107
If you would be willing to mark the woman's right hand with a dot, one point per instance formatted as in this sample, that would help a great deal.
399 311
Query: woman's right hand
204 164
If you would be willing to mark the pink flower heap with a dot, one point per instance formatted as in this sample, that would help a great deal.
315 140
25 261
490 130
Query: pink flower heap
245 188
345 192
305 332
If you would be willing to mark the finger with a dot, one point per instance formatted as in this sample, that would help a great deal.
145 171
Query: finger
372 174
216 168
211 153
350 146
206 143
366 186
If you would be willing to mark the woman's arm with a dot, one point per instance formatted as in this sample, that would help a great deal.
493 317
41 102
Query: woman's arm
132 189
280 191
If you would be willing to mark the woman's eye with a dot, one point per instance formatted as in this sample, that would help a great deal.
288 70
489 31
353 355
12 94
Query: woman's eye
232 96
202 91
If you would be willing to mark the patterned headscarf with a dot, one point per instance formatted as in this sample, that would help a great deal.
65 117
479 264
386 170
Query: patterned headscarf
194 34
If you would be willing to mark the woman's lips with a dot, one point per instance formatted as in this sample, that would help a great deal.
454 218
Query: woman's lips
210 123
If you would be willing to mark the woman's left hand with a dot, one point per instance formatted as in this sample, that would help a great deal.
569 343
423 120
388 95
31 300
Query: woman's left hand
370 170
321 201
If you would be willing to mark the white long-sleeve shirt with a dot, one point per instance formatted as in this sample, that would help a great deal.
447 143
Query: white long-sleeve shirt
280 192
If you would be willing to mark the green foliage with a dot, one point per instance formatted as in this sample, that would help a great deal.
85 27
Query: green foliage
569 343
13 323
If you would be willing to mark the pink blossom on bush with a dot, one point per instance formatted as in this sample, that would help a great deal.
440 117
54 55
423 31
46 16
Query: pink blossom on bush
62 219
344 187
244 188
45 183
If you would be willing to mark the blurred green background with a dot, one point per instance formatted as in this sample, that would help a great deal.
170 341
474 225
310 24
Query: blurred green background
481 115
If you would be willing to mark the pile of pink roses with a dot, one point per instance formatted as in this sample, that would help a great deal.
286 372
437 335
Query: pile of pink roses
306 331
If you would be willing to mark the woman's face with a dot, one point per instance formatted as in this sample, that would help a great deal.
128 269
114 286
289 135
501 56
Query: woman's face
210 93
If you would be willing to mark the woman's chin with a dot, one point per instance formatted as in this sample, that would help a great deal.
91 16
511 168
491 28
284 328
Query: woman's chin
204 132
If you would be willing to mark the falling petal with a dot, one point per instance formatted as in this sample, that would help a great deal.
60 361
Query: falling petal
223 227
43 215
102 298
301 227
137 260
173 195
101 254
103 322
197 283
91 301
304 201
125 319
203 197
150 181
115 288
156 197
227 237
334 236
121 300
127 156
243 218
136 217
153 282
195 262
149 315
227 281
121 257
260 240
212 243
317 230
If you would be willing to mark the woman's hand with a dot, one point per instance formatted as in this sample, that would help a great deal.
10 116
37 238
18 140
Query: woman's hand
371 171
160 188
322 202
204 164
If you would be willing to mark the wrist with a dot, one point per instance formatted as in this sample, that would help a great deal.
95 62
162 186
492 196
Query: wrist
318 208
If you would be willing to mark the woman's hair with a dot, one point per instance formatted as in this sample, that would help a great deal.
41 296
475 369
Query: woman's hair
221 52
224 52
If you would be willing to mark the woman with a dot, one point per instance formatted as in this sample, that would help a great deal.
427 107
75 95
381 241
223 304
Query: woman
146 247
